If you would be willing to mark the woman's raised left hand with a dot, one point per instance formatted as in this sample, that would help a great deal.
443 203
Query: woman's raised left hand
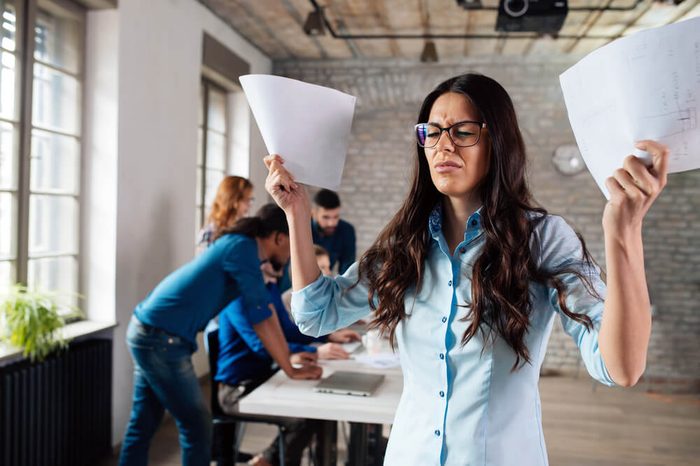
633 189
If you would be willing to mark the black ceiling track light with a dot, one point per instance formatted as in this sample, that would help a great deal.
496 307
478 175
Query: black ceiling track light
313 26
429 54
520 19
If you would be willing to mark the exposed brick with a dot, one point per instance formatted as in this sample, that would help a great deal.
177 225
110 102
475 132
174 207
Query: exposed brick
380 159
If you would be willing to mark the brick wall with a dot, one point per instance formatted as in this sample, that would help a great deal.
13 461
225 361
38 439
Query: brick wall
379 161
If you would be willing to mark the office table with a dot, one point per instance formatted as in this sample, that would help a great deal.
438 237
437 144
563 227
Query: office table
281 396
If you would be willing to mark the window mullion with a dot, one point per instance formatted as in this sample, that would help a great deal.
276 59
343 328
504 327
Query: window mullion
205 138
26 54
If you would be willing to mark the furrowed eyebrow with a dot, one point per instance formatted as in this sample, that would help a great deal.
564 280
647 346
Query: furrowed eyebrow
455 123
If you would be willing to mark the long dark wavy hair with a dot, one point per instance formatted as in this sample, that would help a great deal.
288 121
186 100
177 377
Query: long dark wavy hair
501 276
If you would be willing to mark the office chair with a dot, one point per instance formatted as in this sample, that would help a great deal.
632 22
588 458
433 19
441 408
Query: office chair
219 418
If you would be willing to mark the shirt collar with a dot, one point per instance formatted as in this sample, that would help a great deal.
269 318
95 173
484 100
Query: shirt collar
471 229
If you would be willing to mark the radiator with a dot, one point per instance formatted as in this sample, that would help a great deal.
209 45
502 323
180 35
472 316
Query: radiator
58 412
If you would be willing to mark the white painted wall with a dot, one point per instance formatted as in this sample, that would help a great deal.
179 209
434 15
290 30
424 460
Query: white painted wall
99 238
142 90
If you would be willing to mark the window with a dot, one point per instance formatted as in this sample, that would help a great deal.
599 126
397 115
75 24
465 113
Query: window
40 144
213 146
9 128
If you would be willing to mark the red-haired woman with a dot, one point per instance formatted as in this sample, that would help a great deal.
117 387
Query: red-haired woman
234 197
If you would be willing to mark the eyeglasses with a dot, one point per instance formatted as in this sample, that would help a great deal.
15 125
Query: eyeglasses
462 133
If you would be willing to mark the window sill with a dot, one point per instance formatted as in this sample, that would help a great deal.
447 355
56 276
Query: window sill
72 331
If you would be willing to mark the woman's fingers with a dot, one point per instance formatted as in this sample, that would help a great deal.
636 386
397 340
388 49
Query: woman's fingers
268 159
278 176
659 155
640 175
636 176
625 180
617 192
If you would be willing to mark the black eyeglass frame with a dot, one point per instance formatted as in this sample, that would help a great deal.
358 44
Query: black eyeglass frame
482 125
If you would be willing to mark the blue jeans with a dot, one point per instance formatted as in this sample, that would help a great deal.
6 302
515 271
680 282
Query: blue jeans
164 378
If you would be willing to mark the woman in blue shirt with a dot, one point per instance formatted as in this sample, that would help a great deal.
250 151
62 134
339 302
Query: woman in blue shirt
469 275
161 334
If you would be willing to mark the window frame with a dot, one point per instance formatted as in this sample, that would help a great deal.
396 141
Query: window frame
26 19
207 85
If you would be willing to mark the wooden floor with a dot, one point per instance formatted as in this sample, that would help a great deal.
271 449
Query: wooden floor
583 426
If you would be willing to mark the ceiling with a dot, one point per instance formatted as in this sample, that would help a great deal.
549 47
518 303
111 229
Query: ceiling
276 27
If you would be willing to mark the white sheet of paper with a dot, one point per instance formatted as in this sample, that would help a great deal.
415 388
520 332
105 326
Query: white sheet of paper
308 125
380 361
645 86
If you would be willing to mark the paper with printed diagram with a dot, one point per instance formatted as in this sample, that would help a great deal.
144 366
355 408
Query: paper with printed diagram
645 86
308 125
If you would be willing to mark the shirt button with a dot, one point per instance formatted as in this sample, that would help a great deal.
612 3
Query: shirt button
462 250
437 433
449 283
442 356
474 222
442 394
444 319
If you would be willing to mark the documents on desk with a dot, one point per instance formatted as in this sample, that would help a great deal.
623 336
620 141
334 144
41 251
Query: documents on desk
380 360
351 346
644 86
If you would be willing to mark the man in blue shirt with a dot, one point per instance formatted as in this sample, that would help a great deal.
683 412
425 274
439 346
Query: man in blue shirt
243 364
336 235
162 333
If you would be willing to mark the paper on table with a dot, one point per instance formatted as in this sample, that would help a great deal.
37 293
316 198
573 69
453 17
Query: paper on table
645 86
380 360
308 125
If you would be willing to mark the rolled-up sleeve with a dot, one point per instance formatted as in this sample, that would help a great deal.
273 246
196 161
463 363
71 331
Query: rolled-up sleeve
329 304
561 250
243 265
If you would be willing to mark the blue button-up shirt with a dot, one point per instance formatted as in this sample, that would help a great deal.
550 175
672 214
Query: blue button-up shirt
462 404
192 295
242 355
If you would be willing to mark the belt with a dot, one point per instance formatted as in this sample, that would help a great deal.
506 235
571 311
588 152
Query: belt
149 328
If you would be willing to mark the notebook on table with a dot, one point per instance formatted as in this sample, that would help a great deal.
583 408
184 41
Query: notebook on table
350 383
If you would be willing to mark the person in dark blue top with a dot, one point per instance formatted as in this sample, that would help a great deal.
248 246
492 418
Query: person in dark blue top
244 363
335 235
242 355
162 332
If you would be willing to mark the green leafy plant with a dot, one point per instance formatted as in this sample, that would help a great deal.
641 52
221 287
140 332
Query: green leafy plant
30 320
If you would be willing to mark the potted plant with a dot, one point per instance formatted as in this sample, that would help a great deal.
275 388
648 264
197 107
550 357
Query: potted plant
30 320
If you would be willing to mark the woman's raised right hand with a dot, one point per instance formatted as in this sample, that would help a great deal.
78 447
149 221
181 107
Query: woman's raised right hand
290 196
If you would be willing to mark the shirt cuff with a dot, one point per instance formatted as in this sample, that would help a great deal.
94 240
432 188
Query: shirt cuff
257 314
306 294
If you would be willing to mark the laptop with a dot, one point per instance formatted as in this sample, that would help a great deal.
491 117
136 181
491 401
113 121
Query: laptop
350 383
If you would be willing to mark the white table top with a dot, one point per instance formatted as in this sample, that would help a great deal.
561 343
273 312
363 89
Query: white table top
282 396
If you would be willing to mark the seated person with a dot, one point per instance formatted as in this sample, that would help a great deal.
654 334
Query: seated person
323 259
244 364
